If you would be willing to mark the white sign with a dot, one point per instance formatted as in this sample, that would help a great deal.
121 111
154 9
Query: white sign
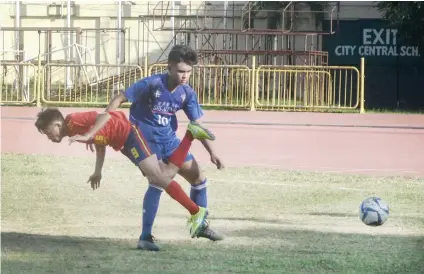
378 42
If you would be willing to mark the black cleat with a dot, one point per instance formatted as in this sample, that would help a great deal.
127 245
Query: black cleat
210 234
147 243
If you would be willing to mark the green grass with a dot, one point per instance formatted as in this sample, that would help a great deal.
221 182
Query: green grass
275 221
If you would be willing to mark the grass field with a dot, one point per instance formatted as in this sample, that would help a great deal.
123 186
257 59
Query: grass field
275 221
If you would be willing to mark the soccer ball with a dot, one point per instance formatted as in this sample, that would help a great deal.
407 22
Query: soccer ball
374 211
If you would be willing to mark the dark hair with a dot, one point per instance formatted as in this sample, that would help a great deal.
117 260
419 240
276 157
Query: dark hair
182 53
47 116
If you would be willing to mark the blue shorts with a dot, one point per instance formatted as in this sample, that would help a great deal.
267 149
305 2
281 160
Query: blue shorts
137 148
164 150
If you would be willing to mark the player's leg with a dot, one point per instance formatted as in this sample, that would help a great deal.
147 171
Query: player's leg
150 167
153 193
190 171
170 169
152 197
198 193
177 158
148 163
150 207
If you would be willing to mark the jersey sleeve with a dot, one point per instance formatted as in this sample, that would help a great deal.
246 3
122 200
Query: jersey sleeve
80 122
191 106
82 119
137 90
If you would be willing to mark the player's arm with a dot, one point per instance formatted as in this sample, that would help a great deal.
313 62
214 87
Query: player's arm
99 123
131 94
96 177
100 158
194 112
214 157
116 102
208 146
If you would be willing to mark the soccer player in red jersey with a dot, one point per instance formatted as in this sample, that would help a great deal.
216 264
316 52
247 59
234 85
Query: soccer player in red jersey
115 130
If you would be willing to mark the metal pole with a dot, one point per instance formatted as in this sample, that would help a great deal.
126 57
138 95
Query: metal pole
253 85
362 88
148 29
58 29
225 23
17 24
119 26
118 40
138 41
172 21
21 81
68 57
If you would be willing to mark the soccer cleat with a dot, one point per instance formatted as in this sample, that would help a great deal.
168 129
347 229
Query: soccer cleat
197 221
199 132
210 234
147 243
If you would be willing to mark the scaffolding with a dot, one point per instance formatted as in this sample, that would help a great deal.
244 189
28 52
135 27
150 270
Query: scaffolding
60 69
45 36
232 33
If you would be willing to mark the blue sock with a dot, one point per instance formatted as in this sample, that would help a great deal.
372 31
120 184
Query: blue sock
150 208
198 194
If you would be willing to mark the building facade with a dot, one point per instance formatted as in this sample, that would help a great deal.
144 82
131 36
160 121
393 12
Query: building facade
128 32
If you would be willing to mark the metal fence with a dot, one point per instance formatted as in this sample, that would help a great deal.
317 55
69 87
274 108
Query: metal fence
307 88
86 84
18 83
218 85
228 86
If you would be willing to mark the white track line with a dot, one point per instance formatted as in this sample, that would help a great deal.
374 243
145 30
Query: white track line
290 185
325 169
371 170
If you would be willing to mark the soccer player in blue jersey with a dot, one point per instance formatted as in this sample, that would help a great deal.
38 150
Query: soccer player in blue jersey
155 100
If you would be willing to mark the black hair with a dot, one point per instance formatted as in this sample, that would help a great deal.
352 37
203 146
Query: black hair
47 116
182 53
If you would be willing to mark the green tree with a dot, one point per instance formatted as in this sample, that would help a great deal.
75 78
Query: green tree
408 18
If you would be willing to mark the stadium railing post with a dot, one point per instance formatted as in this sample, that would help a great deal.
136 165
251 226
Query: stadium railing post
39 78
362 89
253 85
146 69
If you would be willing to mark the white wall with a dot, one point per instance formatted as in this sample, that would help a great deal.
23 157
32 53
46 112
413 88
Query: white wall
103 44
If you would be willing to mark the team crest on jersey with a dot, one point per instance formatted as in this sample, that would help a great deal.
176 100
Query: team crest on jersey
157 93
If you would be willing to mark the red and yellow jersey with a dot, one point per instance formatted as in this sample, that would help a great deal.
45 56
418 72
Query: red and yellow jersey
114 133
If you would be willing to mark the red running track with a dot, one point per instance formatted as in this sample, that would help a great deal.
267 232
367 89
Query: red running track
348 143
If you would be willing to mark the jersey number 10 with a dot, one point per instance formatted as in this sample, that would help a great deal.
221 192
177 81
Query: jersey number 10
163 120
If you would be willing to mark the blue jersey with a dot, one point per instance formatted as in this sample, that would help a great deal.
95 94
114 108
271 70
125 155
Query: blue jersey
153 106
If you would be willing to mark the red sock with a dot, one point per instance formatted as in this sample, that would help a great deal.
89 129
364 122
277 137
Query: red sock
177 193
179 155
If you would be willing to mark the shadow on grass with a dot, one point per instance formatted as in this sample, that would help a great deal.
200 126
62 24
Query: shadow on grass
269 220
264 250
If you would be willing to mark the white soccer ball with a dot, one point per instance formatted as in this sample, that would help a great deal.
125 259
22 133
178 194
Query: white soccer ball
374 211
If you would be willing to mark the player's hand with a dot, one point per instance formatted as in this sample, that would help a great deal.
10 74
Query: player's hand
89 146
95 180
79 138
217 161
